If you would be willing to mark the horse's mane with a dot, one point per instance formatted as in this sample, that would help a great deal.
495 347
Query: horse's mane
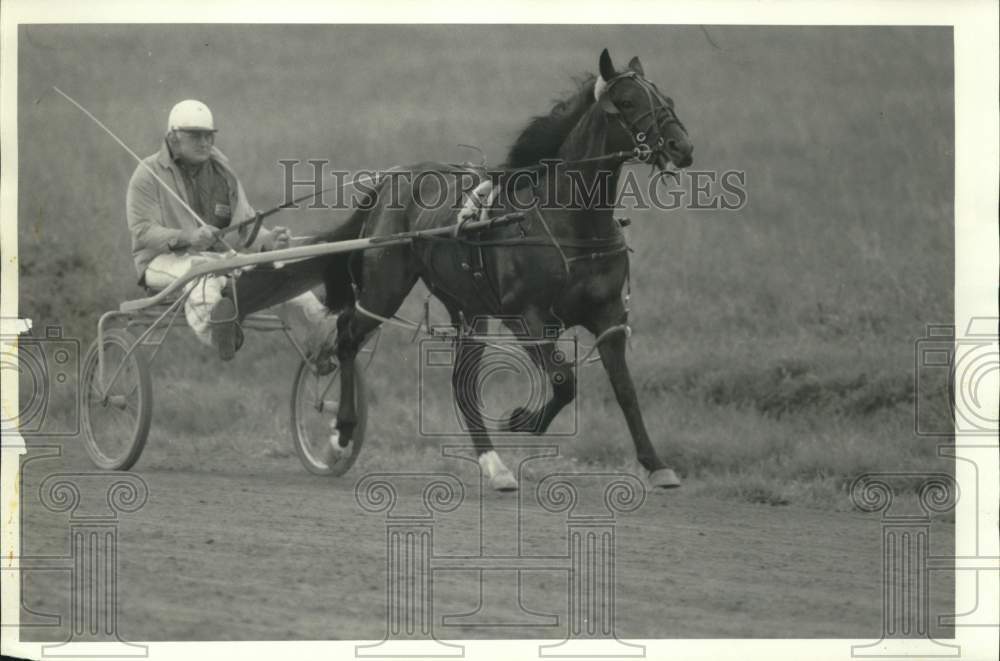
544 134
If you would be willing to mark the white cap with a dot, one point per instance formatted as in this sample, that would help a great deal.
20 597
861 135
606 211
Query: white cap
192 115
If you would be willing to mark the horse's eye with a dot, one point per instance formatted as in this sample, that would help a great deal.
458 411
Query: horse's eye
626 103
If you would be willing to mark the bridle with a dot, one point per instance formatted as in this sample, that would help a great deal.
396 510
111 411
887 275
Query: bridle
660 107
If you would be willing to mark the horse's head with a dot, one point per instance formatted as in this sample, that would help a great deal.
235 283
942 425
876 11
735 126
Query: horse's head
645 118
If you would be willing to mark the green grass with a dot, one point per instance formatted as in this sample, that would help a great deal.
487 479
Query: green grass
773 346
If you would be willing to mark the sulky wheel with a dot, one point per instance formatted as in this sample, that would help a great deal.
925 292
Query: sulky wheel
315 400
115 415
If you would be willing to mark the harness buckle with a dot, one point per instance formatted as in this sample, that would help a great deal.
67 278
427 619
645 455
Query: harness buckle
642 152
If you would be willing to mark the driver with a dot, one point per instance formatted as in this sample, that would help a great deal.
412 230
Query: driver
167 241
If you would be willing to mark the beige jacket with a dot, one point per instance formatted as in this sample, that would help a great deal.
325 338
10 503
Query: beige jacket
156 219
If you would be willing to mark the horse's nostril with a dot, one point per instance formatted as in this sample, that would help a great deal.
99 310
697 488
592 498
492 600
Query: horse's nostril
672 144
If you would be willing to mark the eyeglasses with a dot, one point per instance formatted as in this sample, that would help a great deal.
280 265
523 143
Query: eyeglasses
198 136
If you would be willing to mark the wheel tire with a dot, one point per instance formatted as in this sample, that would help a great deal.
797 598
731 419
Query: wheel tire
116 427
311 424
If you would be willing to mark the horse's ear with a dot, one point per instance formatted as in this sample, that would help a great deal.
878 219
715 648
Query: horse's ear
635 65
605 67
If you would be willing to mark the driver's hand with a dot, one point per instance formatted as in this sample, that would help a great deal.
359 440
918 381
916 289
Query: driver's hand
202 238
280 238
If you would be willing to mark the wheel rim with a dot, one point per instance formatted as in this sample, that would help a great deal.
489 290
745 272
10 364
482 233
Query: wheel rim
317 404
113 417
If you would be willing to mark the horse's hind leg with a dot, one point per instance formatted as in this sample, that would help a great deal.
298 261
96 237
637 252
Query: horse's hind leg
385 288
352 329
612 351
465 383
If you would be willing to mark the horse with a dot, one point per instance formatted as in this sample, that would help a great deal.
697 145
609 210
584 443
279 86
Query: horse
564 265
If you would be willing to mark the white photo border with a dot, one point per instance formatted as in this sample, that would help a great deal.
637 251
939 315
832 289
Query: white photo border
976 260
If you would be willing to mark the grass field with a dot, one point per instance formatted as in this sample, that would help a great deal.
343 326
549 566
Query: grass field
773 345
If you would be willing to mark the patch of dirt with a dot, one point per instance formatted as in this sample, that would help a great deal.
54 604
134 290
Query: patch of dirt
286 555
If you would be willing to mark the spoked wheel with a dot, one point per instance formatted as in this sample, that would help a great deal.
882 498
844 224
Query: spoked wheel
315 402
116 412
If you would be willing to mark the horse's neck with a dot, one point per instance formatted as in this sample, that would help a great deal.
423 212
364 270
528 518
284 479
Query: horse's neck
583 172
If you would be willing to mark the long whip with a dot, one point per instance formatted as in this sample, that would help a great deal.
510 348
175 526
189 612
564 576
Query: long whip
141 163
261 215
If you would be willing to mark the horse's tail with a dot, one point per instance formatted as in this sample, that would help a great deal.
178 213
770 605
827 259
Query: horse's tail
337 276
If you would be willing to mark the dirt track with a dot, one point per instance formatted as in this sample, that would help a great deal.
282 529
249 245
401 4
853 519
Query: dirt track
289 556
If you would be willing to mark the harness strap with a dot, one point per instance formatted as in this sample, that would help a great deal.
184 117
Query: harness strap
562 254
619 328
573 244
598 255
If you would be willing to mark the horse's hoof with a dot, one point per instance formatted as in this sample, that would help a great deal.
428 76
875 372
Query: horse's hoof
335 451
664 478
500 477
503 481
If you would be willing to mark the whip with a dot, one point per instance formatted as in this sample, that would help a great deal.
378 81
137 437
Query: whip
141 163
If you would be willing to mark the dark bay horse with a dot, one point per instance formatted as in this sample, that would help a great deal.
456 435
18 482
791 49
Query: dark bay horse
564 265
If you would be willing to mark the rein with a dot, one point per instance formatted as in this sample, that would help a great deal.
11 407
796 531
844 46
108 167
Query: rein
623 155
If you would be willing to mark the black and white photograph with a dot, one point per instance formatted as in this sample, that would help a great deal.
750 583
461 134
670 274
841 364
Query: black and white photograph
578 330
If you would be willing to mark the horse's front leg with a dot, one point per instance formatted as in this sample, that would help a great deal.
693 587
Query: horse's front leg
560 372
465 383
612 351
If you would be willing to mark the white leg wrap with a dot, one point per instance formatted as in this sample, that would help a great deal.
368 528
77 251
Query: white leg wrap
496 472
335 437
335 452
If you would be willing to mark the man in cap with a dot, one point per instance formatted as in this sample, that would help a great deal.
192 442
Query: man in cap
167 240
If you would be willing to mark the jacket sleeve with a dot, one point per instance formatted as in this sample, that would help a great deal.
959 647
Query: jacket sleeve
145 221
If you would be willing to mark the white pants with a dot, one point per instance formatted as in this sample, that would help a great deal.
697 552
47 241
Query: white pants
304 314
